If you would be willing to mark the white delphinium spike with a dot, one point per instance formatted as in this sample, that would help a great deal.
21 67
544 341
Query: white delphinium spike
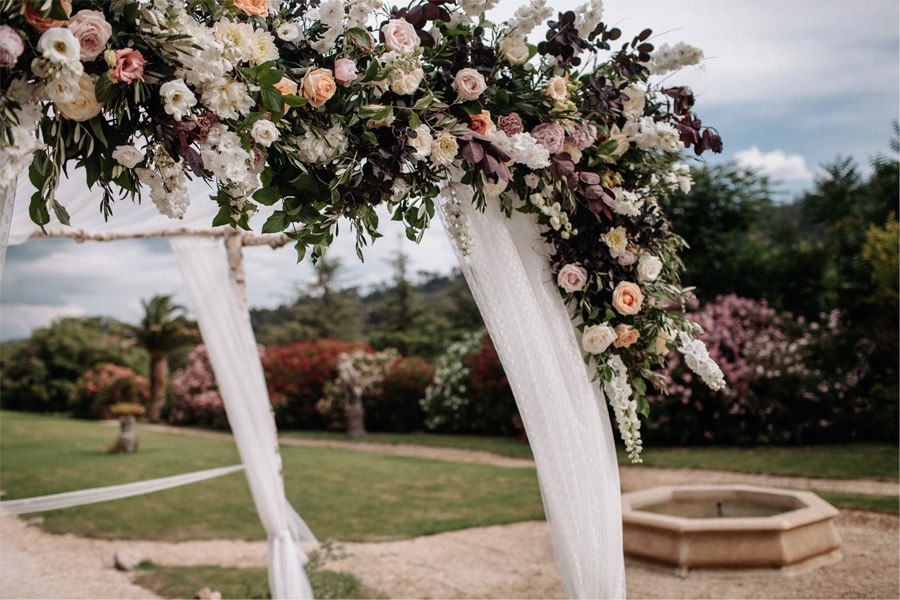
698 360
619 395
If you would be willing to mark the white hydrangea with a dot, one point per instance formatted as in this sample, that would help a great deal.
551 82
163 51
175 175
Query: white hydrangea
360 11
227 98
529 17
168 185
588 16
626 203
671 58
619 395
476 8
649 134
697 358
523 148
224 156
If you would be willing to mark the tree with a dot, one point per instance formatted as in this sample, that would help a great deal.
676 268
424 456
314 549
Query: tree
163 329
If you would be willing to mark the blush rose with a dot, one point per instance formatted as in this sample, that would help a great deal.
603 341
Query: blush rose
627 298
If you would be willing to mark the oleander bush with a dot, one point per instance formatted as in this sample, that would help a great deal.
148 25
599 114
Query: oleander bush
109 384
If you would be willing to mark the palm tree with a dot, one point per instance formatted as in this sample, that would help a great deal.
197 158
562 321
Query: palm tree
163 329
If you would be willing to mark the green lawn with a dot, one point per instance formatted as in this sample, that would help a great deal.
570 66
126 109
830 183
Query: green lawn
497 445
342 494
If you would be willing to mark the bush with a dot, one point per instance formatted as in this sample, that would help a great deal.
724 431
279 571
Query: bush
783 384
196 396
40 374
470 392
99 389
398 407
296 375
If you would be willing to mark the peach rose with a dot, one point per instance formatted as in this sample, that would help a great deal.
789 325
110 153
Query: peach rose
85 106
344 70
318 86
254 8
626 335
129 66
481 123
35 16
400 36
287 86
627 298
469 84
92 31
572 278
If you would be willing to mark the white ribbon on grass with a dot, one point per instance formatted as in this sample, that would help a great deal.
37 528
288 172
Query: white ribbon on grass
564 412
109 492
233 353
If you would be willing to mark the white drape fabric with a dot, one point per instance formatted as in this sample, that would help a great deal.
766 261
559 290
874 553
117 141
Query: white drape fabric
564 413
233 353
110 492
7 202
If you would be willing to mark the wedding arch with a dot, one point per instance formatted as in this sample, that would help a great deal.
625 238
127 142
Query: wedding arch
546 164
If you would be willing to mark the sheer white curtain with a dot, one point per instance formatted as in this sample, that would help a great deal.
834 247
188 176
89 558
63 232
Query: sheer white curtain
564 413
7 203
229 339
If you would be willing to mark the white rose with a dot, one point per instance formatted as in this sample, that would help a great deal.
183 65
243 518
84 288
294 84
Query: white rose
444 149
264 132
400 36
408 83
616 239
469 84
557 88
648 268
84 105
288 32
177 98
422 142
127 156
59 45
572 278
597 338
493 189
514 50
532 180
633 107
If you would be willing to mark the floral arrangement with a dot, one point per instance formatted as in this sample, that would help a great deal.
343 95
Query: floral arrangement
327 109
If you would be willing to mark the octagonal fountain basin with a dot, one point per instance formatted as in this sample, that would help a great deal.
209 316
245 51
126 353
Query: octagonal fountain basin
733 528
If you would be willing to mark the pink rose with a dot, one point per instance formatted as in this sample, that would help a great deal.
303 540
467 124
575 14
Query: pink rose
626 258
469 84
582 136
510 124
344 70
92 31
129 66
400 36
572 278
11 46
318 86
627 298
481 123
626 335
551 136
254 8
34 14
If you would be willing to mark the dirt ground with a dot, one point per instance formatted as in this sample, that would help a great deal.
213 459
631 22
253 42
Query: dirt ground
506 561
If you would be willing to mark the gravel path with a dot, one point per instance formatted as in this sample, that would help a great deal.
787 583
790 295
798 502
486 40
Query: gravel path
633 478
506 561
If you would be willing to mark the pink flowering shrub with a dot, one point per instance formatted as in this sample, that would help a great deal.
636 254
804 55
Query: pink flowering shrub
105 385
782 386
197 399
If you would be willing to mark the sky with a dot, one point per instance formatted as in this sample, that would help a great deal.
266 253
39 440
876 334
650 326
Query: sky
789 85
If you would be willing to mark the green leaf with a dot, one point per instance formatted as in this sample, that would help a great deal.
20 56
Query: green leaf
270 77
57 11
277 222
271 98
96 125
423 103
267 196
643 407
62 215
358 37
37 210
223 217
639 385
292 100
105 88
372 72
414 120
473 108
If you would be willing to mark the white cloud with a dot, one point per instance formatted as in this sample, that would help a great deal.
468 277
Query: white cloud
777 164
20 319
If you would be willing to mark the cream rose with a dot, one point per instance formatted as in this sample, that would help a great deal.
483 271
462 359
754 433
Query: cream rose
318 86
444 149
626 335
254 8
92 31
400 36
286 86
84 106
661 343
127 156
627 298
648 268
422 142
617 240
493 189
264 132
557 88
408 83
469 84
572 278
622 143
633 106
514 50
597 338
